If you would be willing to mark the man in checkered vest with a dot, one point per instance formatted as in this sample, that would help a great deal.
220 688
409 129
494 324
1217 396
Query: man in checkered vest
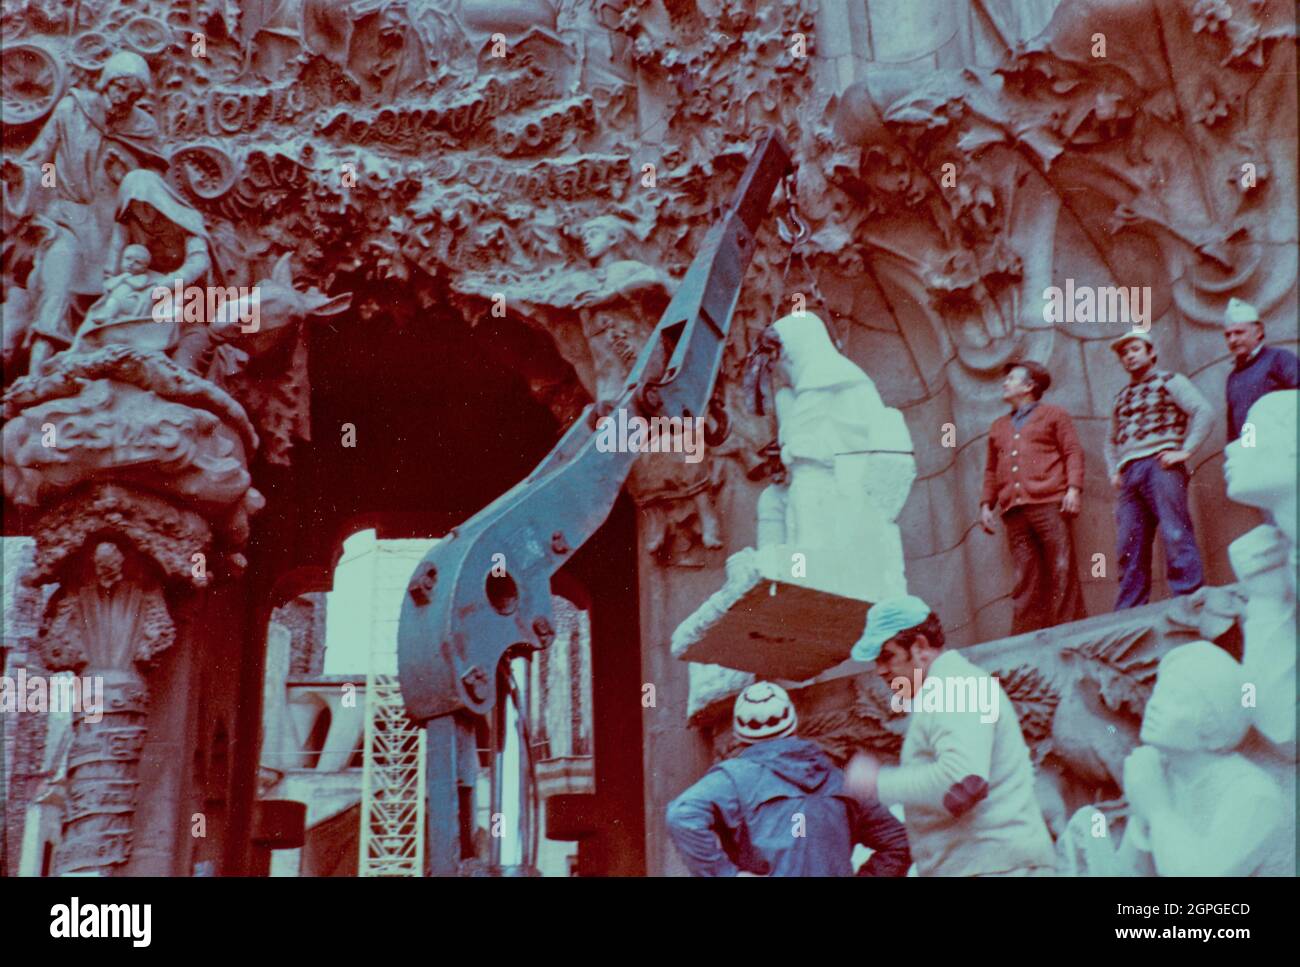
1159 420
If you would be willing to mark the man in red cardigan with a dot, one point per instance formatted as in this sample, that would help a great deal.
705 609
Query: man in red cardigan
1034 475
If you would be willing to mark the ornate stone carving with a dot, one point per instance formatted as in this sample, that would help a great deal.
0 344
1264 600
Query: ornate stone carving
445 140
166 535
119 413
109 620
111 425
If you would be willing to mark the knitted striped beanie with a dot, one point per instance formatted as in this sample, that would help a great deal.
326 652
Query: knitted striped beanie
763 711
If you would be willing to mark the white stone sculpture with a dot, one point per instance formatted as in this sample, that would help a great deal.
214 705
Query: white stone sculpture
850 467
830 525
1264 559
1197 808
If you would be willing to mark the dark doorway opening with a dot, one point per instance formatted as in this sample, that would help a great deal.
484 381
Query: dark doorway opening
444 417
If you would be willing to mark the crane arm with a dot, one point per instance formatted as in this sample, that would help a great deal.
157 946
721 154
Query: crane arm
483 593
486 588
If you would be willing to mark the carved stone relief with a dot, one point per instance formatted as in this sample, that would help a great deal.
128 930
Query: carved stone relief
112 552
330 154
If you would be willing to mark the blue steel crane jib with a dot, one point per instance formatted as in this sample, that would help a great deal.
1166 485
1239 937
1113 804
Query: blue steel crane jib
467 606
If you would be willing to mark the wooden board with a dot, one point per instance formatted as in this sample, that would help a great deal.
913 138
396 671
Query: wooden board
780 631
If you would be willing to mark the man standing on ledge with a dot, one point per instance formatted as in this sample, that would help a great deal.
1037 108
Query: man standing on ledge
779 808
964 777
1159 420
1034 475
1259 369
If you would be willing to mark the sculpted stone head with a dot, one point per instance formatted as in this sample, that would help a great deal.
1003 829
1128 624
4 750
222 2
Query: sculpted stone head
108 565
1263 474
135 258
809 359
124 80
116 166
601 234
1196 703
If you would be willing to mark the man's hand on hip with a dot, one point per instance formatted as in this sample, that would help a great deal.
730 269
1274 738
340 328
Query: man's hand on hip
1171 458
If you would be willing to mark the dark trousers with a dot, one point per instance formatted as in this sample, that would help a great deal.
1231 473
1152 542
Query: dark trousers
1153 498
1047 590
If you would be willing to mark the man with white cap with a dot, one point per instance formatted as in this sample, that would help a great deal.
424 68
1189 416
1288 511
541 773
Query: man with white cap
1158 421
964 777
1258 369
779 808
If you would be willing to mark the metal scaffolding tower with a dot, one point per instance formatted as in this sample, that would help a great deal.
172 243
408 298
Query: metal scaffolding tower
392 778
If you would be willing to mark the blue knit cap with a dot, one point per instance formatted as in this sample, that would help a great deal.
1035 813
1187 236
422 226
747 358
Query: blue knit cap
886 619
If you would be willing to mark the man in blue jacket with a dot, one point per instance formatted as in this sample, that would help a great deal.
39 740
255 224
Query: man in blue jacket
779 808
1258 369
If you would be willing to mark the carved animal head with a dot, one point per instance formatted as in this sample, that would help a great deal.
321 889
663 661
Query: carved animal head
260 320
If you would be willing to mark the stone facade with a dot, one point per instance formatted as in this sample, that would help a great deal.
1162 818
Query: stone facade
304 617
528 180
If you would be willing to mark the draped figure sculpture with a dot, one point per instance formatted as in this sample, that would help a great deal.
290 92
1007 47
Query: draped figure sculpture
1194 804
1198 808
849 465
152 216
91 139
828 522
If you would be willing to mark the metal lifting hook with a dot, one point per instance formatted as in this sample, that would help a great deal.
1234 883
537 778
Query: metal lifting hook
792 234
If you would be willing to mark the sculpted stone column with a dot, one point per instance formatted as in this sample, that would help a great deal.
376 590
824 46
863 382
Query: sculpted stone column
111 551
139 473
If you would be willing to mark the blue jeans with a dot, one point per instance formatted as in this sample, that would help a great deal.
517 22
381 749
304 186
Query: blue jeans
1154 497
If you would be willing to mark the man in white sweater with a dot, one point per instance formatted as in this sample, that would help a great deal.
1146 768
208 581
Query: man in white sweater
964 778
